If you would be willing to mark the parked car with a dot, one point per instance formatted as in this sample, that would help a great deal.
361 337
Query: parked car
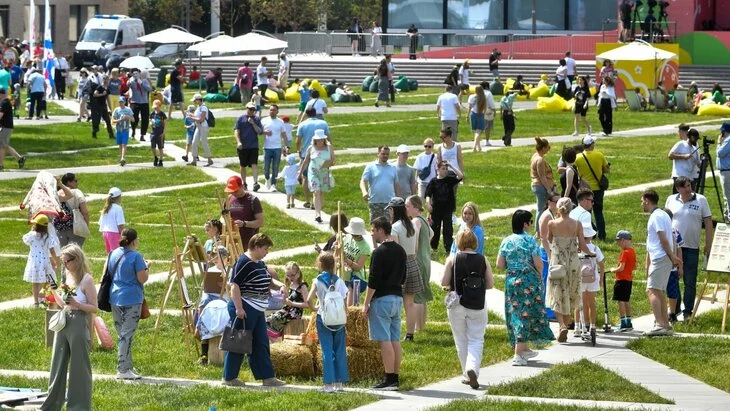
168 53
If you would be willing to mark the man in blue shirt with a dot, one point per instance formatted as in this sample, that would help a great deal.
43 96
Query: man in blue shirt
247 130
723 164
379 183
305 132
37 88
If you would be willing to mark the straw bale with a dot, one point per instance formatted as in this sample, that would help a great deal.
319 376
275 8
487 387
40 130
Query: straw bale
362 363
292 359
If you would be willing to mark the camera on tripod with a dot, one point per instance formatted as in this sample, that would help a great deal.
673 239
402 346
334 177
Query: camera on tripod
707 141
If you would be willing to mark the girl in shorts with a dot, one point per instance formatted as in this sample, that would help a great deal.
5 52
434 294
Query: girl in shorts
189 131
590 285
290 173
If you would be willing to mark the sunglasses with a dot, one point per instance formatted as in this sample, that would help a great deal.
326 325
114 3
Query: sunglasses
427 146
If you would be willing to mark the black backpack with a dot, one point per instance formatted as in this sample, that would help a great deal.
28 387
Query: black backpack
211 119
472 284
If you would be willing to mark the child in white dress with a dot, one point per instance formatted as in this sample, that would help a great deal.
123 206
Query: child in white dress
41 259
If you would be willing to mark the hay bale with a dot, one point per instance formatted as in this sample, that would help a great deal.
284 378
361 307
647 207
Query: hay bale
362 362
291 359
296 327
357 329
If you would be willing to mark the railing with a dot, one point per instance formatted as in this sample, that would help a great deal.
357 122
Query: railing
344 43
666 34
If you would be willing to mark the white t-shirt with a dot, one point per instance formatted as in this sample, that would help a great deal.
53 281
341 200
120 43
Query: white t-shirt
318 104
581 215
111 221
408 243
283 66
261 74
202 111
570 64
685 168
659 222
463 75
688 217
290 173
448 102
422 161
276 125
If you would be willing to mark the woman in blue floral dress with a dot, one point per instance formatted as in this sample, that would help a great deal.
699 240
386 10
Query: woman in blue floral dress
524 306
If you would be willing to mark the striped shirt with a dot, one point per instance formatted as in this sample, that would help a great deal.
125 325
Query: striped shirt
253 279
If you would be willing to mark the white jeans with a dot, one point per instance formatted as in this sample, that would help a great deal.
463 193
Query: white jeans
467 327
201 138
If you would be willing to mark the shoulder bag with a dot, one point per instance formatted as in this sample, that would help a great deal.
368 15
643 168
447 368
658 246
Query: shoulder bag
58 321
603 181
426 171
236 340
80 227
104 299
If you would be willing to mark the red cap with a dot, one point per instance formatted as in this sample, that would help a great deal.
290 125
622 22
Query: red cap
285 119
233 184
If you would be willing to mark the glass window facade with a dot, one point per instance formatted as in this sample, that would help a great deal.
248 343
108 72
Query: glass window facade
425 14
475 14
589 15
550 14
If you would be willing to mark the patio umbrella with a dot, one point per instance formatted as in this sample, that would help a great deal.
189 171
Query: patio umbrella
138 62
636 51
169 36
220 44
257 42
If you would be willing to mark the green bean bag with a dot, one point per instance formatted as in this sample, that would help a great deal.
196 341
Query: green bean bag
402 84
366 83
161 75
413 84
374 85
340 98
195 84
216 97
330 89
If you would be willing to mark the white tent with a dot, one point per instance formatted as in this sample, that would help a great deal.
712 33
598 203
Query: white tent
220 44
257 42
636 51
138 62
169 36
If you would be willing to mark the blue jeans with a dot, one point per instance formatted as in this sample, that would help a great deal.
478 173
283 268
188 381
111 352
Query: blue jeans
690 261
541 194
334 357
272 157
260 358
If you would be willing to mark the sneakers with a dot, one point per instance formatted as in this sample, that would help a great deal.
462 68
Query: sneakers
122 162
409 337
273 334
289 205
159 163
318 219
577 332
156 161
128 375
575 134
21 162
185 158
194 164
529 354
233 383
563 336
256 187
141 138
273 382
327 388
386 386
473 383
339 387
209 163
656 331
518 361
203 360
306 205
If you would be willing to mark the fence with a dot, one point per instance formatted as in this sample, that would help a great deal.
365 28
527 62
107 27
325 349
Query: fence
344 43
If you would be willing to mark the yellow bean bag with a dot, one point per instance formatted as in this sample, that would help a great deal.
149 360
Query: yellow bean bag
552 104
314 85
593 90
540 91
713 110
272 96
292 93
707 94
508 85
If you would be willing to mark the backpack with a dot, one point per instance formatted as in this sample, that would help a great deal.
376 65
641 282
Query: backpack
587 270
211 118
473 285
332 309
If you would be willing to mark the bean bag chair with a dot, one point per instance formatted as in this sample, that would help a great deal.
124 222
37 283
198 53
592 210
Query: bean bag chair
713 110
292 93
553 89
413 84
156 95
195 84
366 83
340 98
540 91
272 96
102 334
402 84
496 88
552 104
234 95
330 88
216 98
315 85
355 98
374 85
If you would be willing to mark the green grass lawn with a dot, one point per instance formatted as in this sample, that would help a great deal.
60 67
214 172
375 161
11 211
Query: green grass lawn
596 383
115 395
703 358
11 277
502 405
709 322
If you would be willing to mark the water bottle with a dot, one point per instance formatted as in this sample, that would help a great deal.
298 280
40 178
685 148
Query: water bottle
356 292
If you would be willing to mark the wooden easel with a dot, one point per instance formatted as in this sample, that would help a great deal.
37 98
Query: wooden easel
231 237
176 276
193 252
718 272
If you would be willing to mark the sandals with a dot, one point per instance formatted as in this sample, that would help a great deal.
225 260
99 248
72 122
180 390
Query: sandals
563 336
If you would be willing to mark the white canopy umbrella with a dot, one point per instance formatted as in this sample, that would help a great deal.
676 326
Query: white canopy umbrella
636 51
138 62
220 44
169 36
257 42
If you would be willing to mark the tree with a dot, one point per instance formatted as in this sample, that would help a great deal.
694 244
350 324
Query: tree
287 14
231 12
160 14
344 10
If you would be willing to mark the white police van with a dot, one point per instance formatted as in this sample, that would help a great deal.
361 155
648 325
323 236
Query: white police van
117 31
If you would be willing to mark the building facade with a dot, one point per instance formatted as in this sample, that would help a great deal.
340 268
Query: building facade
68 18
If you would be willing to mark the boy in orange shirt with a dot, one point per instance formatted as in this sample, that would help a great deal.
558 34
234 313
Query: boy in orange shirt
624 279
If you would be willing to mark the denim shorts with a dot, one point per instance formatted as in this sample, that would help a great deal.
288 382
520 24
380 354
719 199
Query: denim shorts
384 317
291 189
673 285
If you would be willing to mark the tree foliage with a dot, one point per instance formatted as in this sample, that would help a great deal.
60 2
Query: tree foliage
160 14
287 14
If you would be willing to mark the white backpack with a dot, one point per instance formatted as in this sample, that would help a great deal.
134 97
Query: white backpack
332 309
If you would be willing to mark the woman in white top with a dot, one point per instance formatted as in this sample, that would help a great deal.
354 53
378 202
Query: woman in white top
319 105
606 105
404 234
71 344
450 151
376 46
200 137
111 221
561 77
464 79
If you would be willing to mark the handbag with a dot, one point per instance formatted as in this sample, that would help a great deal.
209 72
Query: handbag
58 320
144 312
235 340
452 298
603 181
426 171
81 229
557 272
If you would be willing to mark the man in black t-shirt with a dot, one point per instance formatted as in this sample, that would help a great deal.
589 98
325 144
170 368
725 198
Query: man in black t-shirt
99 111
176 97
412 33
494 62
441 203
158 120
384 300
6 130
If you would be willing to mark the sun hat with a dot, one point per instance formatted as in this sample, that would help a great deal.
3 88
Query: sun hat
291 159
319 135
356 226
395 202
197 96
250 105
233 184
588 231
115 192
623 235
588 140
402 149
40 219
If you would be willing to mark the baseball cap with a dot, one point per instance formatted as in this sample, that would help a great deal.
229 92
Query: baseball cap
725 128
285 119
623 235
395 202
122 100
40 219
197 96
402 149
115 192
233 184
250 105
588 140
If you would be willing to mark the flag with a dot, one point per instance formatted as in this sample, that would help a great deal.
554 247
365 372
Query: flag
48 57
31 24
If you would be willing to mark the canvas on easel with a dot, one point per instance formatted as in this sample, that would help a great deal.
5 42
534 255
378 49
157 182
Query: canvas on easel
718 272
